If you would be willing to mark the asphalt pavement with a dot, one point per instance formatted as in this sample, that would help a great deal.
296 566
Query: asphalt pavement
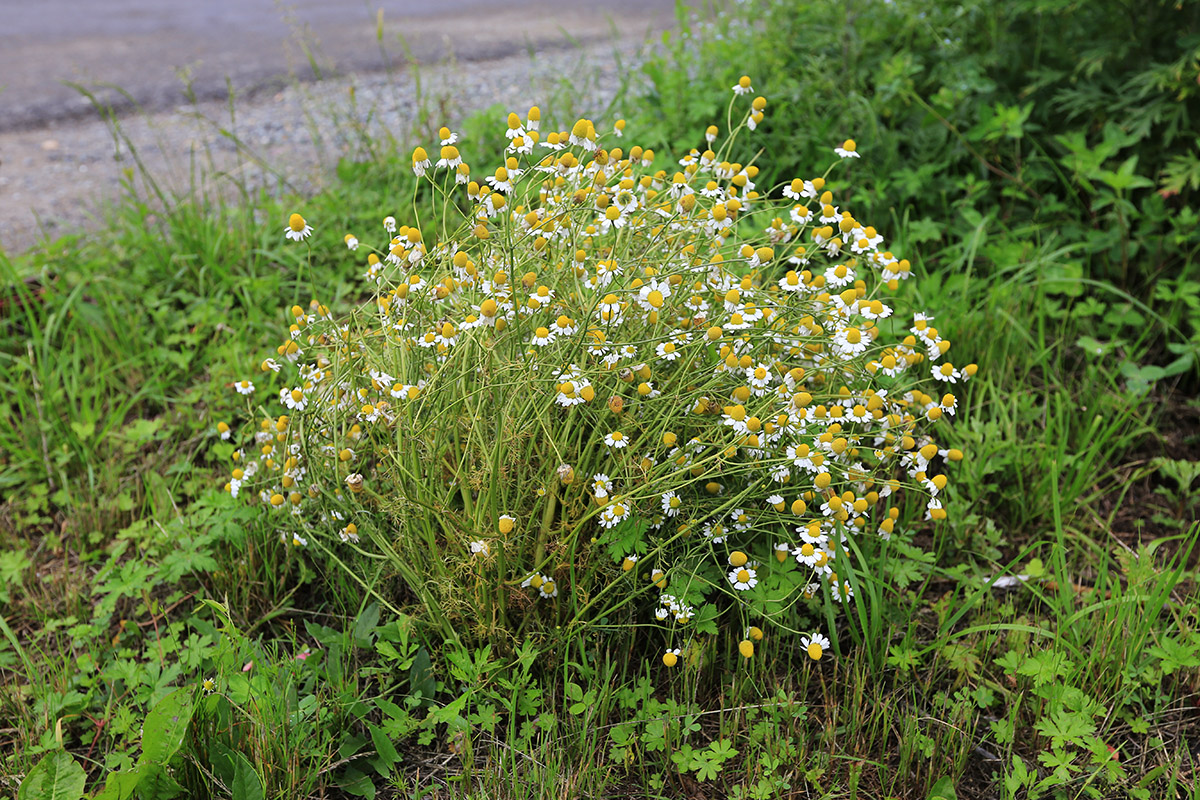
152 53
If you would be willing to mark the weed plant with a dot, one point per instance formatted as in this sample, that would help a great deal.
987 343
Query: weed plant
585 382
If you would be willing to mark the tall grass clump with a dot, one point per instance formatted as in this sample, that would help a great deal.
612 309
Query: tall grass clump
590 392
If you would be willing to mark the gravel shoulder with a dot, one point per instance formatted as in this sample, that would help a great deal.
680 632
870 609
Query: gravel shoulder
58 178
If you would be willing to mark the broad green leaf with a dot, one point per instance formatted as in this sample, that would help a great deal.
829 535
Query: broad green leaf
120 785
385 752
451 713
943 790
583 705
141 430
84 430
1093 346
165 726
56 777
222 761
246 784
421 679
356 783
364 626
156 784
239 689
706 770
1178 366
1065 278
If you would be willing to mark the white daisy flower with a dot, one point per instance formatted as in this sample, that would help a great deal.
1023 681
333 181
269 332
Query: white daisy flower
420 162
297 229
671 503
848 149
601 485
841 592
815 645
294 399
613 514
668 351
743 579
801 215
946 372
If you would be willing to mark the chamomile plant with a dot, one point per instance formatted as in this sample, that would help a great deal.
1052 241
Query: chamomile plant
597 388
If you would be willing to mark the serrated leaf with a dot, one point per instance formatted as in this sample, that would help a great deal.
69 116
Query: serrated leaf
56 777
388 651
705 620
1065 726
1045 667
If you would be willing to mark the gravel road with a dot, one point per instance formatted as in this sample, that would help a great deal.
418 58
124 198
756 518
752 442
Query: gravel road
60 164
